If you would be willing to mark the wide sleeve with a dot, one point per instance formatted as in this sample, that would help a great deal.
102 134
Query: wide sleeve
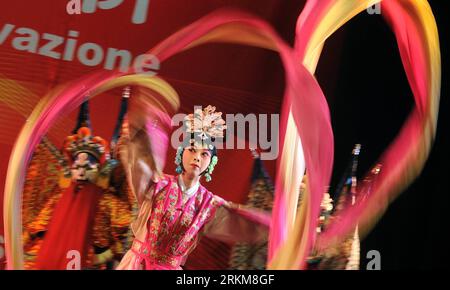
237 223
138 166
143 147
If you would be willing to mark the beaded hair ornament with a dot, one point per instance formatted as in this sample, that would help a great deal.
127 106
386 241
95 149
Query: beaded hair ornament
203 127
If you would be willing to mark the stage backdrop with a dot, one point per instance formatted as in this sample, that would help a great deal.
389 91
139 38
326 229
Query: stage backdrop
233 78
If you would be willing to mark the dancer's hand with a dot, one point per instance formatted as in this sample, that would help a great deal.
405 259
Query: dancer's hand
303 184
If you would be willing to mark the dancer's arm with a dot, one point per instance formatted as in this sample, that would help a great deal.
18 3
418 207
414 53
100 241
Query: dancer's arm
138 160
238 223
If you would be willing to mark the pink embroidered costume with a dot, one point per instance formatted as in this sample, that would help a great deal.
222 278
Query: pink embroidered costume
172 218
76 200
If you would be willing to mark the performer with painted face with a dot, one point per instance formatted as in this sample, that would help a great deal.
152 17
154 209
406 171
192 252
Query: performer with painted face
175 211
78 217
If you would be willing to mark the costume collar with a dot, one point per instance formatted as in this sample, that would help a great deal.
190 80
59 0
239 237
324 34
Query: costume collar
187 191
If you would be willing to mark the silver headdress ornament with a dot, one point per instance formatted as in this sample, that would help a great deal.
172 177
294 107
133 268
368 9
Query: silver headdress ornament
205 126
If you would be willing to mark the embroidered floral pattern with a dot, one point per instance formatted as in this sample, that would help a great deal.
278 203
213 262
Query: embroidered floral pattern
173 226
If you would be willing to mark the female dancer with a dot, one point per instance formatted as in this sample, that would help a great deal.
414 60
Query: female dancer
174 211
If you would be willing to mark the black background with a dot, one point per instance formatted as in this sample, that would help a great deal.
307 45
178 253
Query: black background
369 103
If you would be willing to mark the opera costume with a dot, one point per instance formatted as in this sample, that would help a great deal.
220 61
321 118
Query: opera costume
172 218
81 212
306 141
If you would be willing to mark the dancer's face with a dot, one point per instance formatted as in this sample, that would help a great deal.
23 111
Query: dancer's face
195 160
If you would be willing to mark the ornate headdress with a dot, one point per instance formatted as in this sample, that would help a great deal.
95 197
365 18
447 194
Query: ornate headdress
203 127
82 141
